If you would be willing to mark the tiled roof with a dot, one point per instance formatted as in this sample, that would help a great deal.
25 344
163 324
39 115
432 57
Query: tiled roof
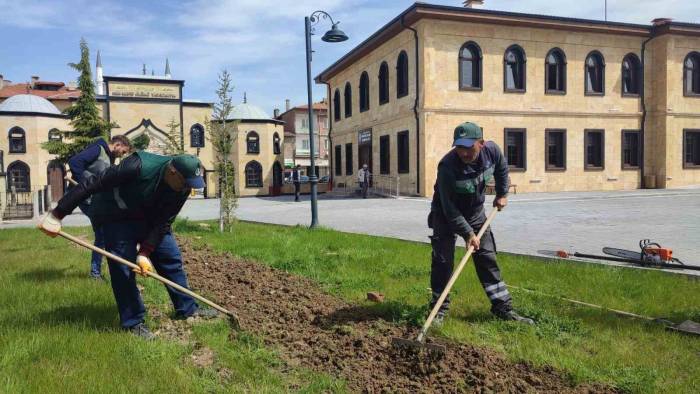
63 93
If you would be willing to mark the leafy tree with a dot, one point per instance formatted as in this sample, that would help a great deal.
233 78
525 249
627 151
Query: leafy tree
85 120
222 134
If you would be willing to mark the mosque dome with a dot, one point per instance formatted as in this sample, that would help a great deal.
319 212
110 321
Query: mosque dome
247 111
29 103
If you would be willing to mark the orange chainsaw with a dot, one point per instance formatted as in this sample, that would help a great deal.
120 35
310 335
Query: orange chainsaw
650 254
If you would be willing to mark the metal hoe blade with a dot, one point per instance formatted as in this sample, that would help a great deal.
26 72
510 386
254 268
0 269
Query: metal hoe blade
417 346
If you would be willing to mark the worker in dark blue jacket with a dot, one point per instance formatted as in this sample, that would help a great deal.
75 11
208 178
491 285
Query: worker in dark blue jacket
91 162
458 209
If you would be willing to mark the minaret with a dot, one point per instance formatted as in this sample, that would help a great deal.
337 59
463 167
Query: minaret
167 69
143 71
99 81
245 98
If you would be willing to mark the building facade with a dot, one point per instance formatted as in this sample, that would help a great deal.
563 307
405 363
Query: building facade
141 106
574 104
296 137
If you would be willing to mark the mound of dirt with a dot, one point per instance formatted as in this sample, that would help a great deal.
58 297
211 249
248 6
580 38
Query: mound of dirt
321 332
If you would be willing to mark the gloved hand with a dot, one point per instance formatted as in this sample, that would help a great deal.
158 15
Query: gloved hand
50 224
144 264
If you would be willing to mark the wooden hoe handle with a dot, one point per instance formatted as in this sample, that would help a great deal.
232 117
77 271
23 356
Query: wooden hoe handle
151 274
453 278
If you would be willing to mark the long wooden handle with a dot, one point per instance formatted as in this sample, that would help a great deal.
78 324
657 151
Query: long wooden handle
151 274
454 277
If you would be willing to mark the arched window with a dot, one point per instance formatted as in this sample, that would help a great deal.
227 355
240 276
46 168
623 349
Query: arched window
470 67
276 148
252 142
383 83
253 174
18 176
631 74
402 75
364 92
55 135
197 136
595 74
336 105
691 74
514 69
348 100
18 141
555 72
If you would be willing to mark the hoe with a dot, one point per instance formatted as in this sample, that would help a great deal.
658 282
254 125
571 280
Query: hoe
419 343
233 319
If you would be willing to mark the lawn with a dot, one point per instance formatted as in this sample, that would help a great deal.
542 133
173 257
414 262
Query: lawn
60 330
589 344
60 333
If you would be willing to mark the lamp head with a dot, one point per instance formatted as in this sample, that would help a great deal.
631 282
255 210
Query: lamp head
334 34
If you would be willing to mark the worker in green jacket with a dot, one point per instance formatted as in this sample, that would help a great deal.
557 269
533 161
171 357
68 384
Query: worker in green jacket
136 202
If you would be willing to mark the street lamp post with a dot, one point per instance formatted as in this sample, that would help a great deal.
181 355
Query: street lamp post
332 35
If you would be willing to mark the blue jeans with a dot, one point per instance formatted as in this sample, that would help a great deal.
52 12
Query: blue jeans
121 239
96 261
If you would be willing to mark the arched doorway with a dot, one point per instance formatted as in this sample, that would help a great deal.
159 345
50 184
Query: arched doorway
277 178
18 204
55 173
18 177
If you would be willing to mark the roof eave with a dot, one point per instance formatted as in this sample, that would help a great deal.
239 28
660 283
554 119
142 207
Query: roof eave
419 11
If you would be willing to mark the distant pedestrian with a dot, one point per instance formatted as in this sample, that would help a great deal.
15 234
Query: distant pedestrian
296 178
363 176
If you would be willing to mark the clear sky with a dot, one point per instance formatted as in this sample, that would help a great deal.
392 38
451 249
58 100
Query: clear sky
260 42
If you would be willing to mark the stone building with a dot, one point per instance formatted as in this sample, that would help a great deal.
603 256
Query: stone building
296 137
575 104
257 153
31 113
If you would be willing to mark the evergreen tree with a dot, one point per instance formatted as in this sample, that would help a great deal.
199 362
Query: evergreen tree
141 142
85 120
222 134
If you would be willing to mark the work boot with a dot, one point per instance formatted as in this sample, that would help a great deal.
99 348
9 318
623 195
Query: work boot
440 318
201 313
513 316
442 312
141 331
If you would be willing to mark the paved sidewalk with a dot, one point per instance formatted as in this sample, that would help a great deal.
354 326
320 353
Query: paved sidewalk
532 224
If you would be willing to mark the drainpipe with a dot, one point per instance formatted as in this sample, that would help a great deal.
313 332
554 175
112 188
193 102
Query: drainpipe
331 150
415 105
644 106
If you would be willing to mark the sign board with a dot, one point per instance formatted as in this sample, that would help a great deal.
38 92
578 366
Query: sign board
144 90
364 137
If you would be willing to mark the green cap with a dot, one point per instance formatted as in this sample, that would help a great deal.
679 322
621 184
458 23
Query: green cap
191 168
466 134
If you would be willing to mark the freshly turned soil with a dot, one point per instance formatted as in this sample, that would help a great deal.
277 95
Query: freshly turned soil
323 333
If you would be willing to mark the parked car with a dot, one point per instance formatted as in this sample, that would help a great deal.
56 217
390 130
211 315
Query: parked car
303 179
324 179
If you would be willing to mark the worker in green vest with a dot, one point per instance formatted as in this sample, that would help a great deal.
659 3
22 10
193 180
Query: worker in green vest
136 203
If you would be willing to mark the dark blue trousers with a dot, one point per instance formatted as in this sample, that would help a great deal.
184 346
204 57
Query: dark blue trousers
96 261
122 238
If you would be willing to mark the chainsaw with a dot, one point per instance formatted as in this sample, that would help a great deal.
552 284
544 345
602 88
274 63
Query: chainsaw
650 254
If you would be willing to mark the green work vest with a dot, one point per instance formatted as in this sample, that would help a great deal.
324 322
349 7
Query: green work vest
133 195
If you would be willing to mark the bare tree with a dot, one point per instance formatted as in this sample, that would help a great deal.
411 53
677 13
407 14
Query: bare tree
223 134
173 146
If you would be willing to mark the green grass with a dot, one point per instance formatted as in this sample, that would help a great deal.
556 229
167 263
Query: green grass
590 345
59 332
